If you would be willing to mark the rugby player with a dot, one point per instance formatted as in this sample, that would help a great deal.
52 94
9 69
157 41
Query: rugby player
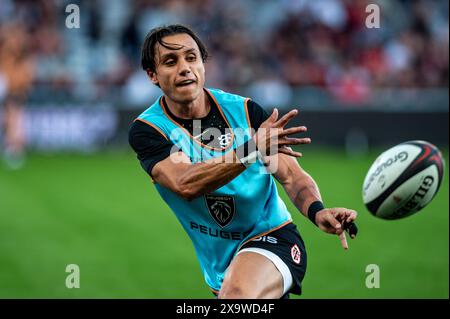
207 152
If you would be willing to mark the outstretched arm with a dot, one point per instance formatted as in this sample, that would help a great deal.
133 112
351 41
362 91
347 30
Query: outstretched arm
303 191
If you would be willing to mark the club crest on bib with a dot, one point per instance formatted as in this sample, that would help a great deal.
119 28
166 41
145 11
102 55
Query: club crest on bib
221 208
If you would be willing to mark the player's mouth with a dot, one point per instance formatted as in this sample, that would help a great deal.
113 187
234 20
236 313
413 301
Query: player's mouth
185 83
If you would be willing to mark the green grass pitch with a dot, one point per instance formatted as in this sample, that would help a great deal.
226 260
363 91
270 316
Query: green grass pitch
102 213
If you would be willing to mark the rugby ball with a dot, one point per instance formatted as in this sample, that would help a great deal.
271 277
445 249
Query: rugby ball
403 180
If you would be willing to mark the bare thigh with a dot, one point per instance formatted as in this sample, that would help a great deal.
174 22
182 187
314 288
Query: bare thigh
251 275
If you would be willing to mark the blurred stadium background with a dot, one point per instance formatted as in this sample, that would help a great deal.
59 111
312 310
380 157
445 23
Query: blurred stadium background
72 192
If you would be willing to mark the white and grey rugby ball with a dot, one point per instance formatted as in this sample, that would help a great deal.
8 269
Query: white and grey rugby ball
403 180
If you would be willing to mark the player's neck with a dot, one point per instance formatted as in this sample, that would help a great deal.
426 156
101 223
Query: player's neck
198 108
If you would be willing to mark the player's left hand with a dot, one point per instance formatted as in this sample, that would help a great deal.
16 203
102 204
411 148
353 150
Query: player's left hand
335 221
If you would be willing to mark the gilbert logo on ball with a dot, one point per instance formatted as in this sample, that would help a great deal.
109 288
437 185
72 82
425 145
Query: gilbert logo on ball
403 180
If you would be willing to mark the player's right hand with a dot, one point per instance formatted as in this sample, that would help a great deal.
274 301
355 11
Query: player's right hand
272 137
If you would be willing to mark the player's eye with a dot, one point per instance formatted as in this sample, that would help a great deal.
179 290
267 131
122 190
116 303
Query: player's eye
169 62
191 57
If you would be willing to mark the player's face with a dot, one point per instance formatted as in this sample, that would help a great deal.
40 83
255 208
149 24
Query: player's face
180 71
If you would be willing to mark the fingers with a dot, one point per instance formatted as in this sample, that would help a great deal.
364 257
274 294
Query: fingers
347 218
274 116
349 224
343 240
351 216
288 151
334 221
339 231
351 229
292 130
335 225
293 141
285 119
344 214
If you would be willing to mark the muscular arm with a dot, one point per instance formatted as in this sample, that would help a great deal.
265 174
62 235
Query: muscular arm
192 180
303 191
171 168
298 184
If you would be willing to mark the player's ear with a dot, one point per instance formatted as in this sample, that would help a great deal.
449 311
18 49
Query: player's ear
152 76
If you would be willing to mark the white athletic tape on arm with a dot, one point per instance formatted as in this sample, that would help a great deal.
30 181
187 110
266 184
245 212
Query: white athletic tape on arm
248 153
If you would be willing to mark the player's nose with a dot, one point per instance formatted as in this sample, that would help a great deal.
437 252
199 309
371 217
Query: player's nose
184 68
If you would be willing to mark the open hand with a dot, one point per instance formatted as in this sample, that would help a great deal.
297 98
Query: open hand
272 137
